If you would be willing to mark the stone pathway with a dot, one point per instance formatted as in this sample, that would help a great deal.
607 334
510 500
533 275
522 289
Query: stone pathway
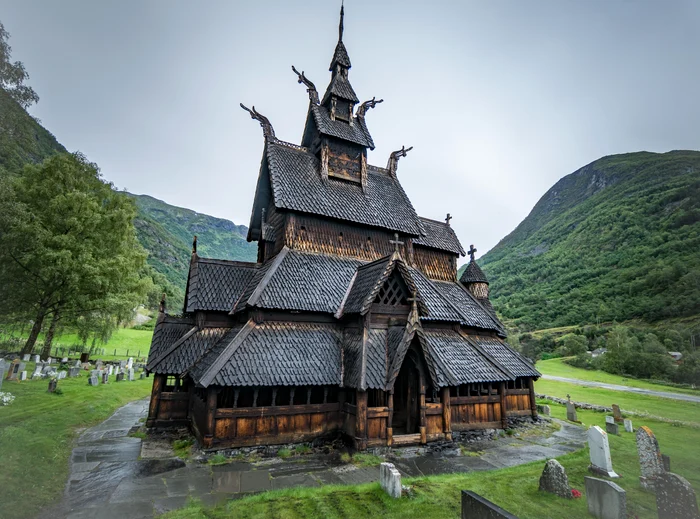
110 479
615 387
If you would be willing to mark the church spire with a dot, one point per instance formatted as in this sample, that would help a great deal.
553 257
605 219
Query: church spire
341 60
340 25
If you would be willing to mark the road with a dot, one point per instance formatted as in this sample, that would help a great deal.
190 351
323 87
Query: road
615 387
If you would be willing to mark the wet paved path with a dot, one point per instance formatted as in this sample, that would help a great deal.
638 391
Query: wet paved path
110 479
615 387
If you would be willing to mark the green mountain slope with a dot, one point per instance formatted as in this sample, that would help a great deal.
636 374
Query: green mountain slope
165 231
618 239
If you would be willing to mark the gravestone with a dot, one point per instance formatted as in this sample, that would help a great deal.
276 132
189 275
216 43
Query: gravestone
554 479
675 498
142 375
390 480
93 381
628 425
120 377
110 369
61 375
105 377
610 426
22 376
26 357
15 368
130 374
99 364
649 458
122 364
37 372
130 363
606 500
64 360
37 359
74 372
599 450
571 412
476 507
78 364
544 409
3 367
617 414
667 462
49 360
52 385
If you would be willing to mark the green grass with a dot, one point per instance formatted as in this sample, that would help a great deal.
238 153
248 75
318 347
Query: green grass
37 432
218 459
123 340
558 368
284 453
654 406
183 448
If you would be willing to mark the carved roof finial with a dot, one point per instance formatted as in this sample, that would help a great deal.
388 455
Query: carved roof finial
448 218
268 130
393 163
396 242
342 15
362 110
471 252
310 87
194 245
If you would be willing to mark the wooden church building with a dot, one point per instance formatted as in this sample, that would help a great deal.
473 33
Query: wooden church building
351 321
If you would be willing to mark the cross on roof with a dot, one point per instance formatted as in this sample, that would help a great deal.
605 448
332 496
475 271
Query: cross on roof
396 242
472 251
448 218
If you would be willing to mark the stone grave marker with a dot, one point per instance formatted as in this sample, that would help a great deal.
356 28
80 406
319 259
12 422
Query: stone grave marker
606 500
22 376
610 426
99 364
120 376
617 414
122 364
61 375
3 367
599 450
52 385
49 360
110 369
142 375
667 462
649 457
130 363
476 507
37 359
37 372
15 368
105 377
628 425
675 498
26 357
130 374
74 372
93 381
78 364
64 360
390 480
544 409
554 479
571 412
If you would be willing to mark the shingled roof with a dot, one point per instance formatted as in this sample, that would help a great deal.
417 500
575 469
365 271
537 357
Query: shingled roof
338 128
185 352
439 235
457 361
297 185
216 284
473 274
274 354
473 311
168 330
340 87
506 356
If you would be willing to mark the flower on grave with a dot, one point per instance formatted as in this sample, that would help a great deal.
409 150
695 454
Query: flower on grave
6 398
575 493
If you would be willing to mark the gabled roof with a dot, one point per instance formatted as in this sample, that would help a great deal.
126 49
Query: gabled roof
510 359
295 179
303 354
340 55
439 235
216 284
355 133
340 87
168 330
368 281
185 352
296 280
473 311
473 274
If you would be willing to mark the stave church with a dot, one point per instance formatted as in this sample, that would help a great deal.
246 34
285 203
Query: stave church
351 322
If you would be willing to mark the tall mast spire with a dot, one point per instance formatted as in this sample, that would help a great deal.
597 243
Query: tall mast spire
340 26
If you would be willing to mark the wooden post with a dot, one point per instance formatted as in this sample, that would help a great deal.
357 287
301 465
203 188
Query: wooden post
361 421
422 427
504 405
446 413
533 403
390 420
211 409
158 381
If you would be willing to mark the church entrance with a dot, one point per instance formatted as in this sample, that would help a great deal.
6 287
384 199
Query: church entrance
406 419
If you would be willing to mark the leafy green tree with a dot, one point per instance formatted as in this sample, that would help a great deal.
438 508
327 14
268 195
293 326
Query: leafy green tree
68 248
13 75
573 344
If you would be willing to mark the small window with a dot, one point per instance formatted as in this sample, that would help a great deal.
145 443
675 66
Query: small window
245 397
317 395
283 396
300 395
264 397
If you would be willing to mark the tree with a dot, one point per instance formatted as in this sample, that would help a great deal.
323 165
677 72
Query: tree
13 75
68 248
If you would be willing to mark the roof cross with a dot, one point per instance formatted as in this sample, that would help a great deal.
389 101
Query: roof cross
396 242
448 218
472 251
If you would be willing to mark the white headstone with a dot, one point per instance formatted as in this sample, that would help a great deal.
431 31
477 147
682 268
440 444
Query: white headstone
609 419
26 357
130 374
130 363
64 360
92 381
36 358
390 479
78 364
110 369
23 375
628 425
50 360
605 499
599 450
62 375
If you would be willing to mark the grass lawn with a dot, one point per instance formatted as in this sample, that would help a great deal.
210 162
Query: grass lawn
126 341
515 489
558 368
37 432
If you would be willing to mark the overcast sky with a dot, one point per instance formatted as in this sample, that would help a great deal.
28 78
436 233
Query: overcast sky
499 99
